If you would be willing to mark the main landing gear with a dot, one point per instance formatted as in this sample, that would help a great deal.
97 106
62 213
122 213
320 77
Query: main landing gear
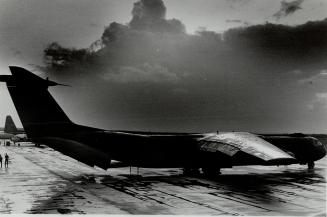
191 171
211 172
311 165
207 171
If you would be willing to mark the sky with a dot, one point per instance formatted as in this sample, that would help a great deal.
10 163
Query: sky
186 65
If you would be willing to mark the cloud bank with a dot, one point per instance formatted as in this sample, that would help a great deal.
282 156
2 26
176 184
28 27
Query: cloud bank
157 74
288 8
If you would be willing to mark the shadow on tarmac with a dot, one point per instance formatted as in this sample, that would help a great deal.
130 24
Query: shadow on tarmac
254 190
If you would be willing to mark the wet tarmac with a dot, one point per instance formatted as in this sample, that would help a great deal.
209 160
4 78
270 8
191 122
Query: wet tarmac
41 180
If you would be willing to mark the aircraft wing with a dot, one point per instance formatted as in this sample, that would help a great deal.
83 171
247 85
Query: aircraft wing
231 143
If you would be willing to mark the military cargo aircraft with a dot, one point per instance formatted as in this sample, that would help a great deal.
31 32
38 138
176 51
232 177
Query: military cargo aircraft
46 123
10 126
11 132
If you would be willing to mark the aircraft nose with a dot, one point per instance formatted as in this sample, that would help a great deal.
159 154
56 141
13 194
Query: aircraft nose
321 149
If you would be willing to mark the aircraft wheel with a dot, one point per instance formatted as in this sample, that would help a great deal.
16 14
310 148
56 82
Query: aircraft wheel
191 171
210 172
311 165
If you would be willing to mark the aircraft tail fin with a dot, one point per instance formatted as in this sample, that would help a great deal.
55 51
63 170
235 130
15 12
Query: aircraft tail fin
10 126
37 109
45 122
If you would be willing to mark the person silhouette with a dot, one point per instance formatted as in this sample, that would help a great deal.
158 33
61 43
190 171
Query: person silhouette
1 160
6 160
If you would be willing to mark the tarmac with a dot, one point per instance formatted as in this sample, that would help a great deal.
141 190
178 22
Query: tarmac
42 181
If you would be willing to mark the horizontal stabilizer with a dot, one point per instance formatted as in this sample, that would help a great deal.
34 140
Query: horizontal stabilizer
23 77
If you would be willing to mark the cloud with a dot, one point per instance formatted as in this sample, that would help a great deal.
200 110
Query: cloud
320 101
146 73
234 21
152 68
151 15
322 97
235 4
323 72
150 38
317 77
148 10
288 8
205 52
300 42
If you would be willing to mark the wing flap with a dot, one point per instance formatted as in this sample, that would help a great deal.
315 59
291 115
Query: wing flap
218 146
232 142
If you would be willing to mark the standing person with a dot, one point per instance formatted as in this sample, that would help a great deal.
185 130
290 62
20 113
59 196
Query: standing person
1 160
6 160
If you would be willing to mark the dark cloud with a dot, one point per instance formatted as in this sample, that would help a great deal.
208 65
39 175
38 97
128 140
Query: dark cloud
150 15
148 10
123 46
60 57
305 41
114 31
150 74
288 8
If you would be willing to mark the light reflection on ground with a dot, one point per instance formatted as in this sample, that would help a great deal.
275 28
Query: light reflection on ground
41 180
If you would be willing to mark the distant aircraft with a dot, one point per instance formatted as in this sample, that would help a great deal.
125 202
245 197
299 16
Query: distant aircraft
11 132
45 123
10 129
19 134
19 138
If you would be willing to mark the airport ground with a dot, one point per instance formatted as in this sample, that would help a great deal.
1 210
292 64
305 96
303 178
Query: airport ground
41 180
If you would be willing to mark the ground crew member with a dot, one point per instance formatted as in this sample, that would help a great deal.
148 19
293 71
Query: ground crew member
1 160
6 160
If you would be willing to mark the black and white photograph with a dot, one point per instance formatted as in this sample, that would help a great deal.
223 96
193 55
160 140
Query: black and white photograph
163 107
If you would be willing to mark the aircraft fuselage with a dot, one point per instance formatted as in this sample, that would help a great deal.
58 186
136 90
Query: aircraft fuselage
171 150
